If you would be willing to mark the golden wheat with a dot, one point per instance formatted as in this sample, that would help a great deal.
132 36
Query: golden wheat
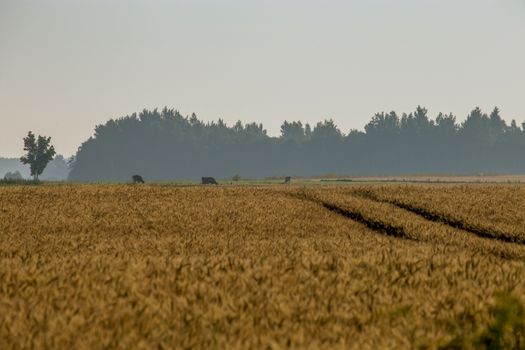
116 266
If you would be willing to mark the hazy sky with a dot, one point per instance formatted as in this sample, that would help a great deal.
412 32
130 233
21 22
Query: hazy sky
66 66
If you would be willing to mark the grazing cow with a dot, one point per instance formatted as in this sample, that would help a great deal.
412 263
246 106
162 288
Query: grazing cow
208 181
287 180
137 179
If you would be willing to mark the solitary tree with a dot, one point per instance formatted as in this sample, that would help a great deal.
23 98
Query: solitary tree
39 153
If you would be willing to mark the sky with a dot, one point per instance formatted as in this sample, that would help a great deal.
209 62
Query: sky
66 66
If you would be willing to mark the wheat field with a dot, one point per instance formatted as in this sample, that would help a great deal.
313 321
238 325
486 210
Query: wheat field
355 267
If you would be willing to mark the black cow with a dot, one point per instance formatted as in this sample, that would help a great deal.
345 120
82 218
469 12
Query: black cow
137 179
208 181
287 180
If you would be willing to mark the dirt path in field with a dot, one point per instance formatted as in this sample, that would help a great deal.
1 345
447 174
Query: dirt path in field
440 218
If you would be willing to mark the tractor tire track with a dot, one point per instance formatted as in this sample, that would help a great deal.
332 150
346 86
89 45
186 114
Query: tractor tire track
498 248
375 225
440 218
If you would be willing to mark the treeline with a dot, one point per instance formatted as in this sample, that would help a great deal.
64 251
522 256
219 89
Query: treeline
165 145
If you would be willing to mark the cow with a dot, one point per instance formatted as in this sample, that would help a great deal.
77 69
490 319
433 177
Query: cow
137 179
208 181
287 180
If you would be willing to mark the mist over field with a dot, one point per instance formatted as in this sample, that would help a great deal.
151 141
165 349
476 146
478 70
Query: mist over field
56 170
164 145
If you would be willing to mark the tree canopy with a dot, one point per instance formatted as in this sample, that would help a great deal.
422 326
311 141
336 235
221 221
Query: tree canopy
165 145
39 152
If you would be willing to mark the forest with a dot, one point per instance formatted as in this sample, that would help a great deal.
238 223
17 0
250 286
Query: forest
165 145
